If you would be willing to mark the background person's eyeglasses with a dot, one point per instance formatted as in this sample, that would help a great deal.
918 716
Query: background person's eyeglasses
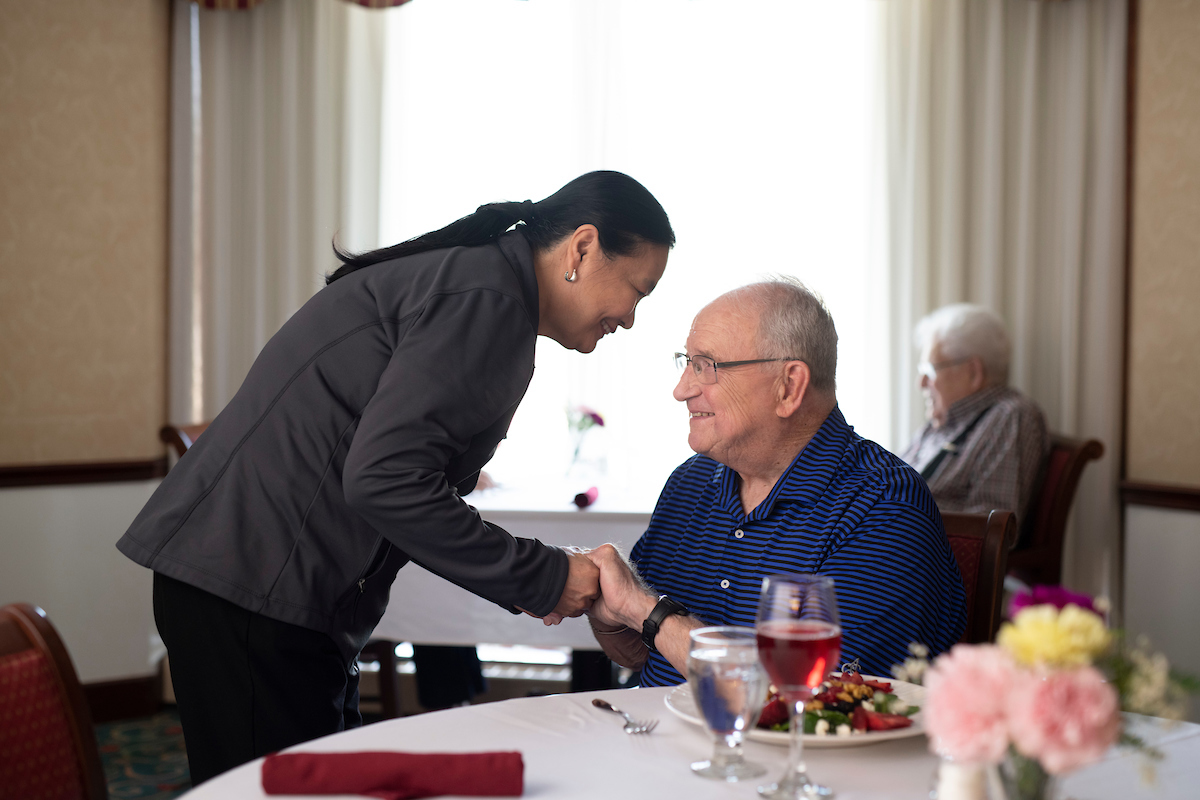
706 369
931 370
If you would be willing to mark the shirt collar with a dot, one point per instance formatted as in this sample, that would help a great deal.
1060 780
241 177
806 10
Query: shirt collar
804 481
971 406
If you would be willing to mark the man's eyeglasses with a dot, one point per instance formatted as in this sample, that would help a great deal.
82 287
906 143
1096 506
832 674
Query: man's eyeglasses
931 370
706 369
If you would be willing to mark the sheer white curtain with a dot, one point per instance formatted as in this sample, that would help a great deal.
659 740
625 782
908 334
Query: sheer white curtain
275 150
1004 186
748 121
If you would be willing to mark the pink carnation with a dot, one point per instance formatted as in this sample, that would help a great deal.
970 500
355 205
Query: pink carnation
1064 719
595 417
966 698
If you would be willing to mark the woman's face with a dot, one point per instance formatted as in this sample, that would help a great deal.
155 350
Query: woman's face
605 294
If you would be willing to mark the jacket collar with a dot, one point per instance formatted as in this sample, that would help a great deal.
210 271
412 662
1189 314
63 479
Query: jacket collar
519 255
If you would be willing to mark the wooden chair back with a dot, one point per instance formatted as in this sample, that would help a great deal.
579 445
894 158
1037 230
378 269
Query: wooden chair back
48 742
181 437
1037 558
981 543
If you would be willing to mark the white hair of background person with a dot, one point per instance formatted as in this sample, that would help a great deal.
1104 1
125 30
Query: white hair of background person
966 330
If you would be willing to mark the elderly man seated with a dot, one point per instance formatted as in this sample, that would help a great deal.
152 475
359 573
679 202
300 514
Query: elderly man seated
780 484
984 444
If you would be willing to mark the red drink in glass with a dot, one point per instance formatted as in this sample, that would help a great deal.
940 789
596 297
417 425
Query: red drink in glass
798 654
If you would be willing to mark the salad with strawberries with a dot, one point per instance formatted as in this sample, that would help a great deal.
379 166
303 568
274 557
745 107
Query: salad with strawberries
845 704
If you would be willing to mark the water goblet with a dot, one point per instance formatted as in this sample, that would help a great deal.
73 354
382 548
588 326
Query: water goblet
729 685
799 641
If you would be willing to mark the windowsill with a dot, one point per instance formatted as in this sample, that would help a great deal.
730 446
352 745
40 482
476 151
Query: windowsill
555 500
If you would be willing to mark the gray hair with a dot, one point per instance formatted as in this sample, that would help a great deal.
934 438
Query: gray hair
966 330
793 323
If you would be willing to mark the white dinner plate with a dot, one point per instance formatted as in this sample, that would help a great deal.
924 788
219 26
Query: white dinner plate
681 703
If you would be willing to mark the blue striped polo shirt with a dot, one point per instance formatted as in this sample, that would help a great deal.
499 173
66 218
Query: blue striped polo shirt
845 508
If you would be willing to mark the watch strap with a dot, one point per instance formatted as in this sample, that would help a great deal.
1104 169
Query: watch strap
664 608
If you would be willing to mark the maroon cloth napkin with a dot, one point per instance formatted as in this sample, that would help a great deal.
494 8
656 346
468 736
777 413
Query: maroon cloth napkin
395 776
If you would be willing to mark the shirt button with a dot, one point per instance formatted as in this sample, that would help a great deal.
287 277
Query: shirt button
739 533
724 584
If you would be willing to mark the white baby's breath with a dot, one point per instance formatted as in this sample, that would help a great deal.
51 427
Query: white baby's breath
1151 690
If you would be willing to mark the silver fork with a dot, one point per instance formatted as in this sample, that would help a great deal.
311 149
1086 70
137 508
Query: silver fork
631 725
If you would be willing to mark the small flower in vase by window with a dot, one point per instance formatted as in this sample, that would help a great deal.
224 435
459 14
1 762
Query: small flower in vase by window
580 420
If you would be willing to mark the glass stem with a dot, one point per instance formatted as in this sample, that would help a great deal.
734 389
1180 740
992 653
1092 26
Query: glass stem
797 769
728 750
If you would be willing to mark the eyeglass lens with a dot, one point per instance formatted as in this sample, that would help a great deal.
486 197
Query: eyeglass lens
704 368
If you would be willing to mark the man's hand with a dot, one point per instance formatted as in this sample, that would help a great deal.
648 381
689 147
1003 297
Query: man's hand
623 599
581 590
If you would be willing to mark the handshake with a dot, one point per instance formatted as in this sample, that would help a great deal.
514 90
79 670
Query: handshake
604 585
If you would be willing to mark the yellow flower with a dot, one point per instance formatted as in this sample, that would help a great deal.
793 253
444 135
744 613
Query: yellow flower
1045 636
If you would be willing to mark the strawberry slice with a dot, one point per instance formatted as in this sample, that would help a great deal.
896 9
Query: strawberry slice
773 713
859 720
851 677
882 686
878 721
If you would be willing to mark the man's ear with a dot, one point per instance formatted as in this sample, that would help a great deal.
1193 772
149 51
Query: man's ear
978 374
792 388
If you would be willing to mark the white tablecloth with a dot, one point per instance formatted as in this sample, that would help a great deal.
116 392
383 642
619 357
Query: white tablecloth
572 750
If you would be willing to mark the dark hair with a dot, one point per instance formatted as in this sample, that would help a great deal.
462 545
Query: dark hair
623 211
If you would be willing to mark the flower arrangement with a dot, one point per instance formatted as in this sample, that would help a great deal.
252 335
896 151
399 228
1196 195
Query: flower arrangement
580 420
1047 698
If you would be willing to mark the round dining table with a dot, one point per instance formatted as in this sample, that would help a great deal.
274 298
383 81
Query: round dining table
573 750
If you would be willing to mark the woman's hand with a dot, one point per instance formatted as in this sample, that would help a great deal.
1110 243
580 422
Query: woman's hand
581 590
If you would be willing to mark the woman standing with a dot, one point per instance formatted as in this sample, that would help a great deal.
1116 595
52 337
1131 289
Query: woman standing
275 539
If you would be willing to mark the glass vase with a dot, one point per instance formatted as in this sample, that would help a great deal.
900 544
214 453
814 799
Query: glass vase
955 780
1022 778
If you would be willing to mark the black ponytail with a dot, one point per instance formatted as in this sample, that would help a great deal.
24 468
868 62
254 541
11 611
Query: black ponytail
623 211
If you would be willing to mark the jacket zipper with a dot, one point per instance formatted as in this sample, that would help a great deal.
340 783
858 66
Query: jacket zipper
362 581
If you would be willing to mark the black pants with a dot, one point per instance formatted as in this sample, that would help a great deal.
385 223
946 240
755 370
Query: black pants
248 685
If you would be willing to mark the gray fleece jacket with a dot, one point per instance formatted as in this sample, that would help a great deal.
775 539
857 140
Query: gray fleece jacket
343 455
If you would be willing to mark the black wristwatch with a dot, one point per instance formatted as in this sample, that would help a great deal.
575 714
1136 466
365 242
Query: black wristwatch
665 608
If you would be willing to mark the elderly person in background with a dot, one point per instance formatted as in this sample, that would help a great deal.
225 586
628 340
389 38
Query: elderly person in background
984 444
780 484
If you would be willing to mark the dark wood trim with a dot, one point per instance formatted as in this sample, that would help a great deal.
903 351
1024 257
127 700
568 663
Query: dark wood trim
128 698
1160 495
1131 51
1133 15
90 472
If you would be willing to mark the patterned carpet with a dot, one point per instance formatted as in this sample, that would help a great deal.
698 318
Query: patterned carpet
144 758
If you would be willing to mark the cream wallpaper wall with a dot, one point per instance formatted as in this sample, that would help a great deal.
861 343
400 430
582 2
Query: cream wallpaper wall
1164 371
83 229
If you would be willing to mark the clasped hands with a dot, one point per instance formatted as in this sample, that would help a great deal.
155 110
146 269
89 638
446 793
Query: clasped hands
601 584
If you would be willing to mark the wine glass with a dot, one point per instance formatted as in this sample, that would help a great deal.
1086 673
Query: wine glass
799 641
728 685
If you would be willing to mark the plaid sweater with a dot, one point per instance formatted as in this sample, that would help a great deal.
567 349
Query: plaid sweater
999 463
